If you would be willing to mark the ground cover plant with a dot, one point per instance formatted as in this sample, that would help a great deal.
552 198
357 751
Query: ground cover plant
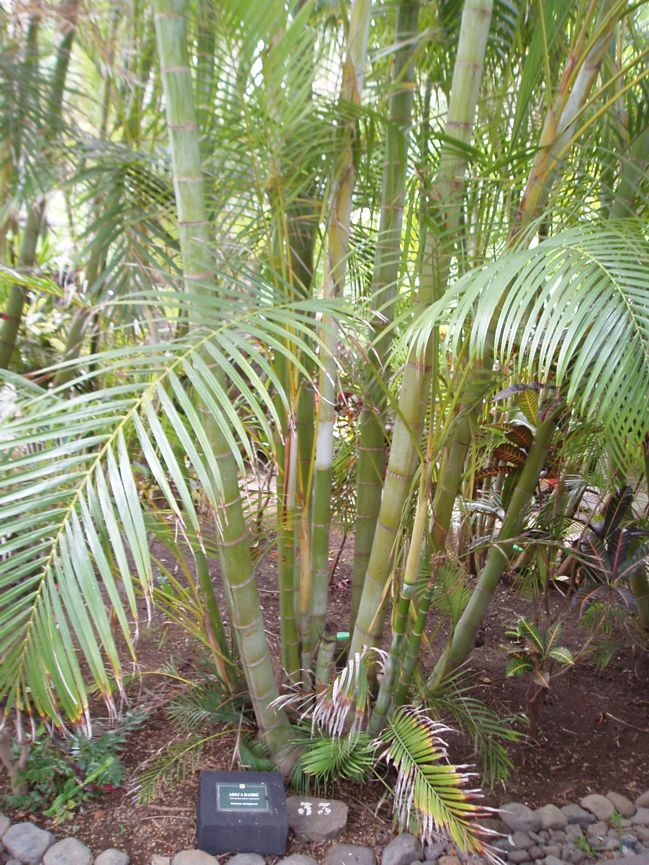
382 263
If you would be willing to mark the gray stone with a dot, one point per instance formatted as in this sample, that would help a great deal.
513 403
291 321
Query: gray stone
316 819
27 842
598 805
641 817
544 835
536 853
193 857
625 822
521 840
349 854
247 859
449 860
69 851
553 850
573 830
578 815
518 816
628 838
578 856
13 862
637 859
112 856
552 860
558 835
402 850
518 856
597 829
434 851
623 806
643 800
156 859
5 823
297 859
551 817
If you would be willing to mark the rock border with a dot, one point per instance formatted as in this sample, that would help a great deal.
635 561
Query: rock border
609 829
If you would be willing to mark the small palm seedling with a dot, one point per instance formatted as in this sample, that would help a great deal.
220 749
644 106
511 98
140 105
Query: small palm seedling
536 653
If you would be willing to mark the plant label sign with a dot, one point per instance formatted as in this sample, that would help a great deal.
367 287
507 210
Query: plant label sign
242 812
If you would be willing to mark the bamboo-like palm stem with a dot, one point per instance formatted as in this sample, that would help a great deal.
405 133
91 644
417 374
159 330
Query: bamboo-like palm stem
371 437
325 659
334 277
463 637
566 106
562 115
402 612
198 273
27 256
572 94
467 78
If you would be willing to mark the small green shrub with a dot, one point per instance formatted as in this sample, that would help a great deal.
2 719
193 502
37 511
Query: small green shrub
60 773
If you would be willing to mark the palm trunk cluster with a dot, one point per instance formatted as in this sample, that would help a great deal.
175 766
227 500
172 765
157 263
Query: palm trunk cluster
409 483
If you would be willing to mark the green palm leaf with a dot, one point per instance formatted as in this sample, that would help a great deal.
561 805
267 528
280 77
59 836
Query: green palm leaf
76 537
429 794
573 310
328 758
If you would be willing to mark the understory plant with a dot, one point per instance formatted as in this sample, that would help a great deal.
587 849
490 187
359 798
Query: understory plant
59 774
535 653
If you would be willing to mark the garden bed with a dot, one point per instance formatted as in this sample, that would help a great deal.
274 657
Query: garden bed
594 734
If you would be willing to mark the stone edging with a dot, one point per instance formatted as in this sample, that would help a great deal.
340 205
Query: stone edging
609 829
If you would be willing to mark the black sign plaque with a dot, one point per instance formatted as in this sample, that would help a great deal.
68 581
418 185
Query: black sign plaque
242 812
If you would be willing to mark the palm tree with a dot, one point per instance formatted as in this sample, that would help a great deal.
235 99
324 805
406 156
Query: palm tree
496 253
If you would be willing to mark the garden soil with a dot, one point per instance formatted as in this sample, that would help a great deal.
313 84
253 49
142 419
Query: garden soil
593 737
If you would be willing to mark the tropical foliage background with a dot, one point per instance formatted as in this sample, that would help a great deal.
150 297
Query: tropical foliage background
394 254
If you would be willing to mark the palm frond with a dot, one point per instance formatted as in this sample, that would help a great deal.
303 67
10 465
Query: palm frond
490 733
572 311
74 532
178 762
204 705
327 758
342 707
430 794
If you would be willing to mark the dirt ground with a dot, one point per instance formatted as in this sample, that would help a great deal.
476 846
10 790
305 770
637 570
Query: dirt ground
594 735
